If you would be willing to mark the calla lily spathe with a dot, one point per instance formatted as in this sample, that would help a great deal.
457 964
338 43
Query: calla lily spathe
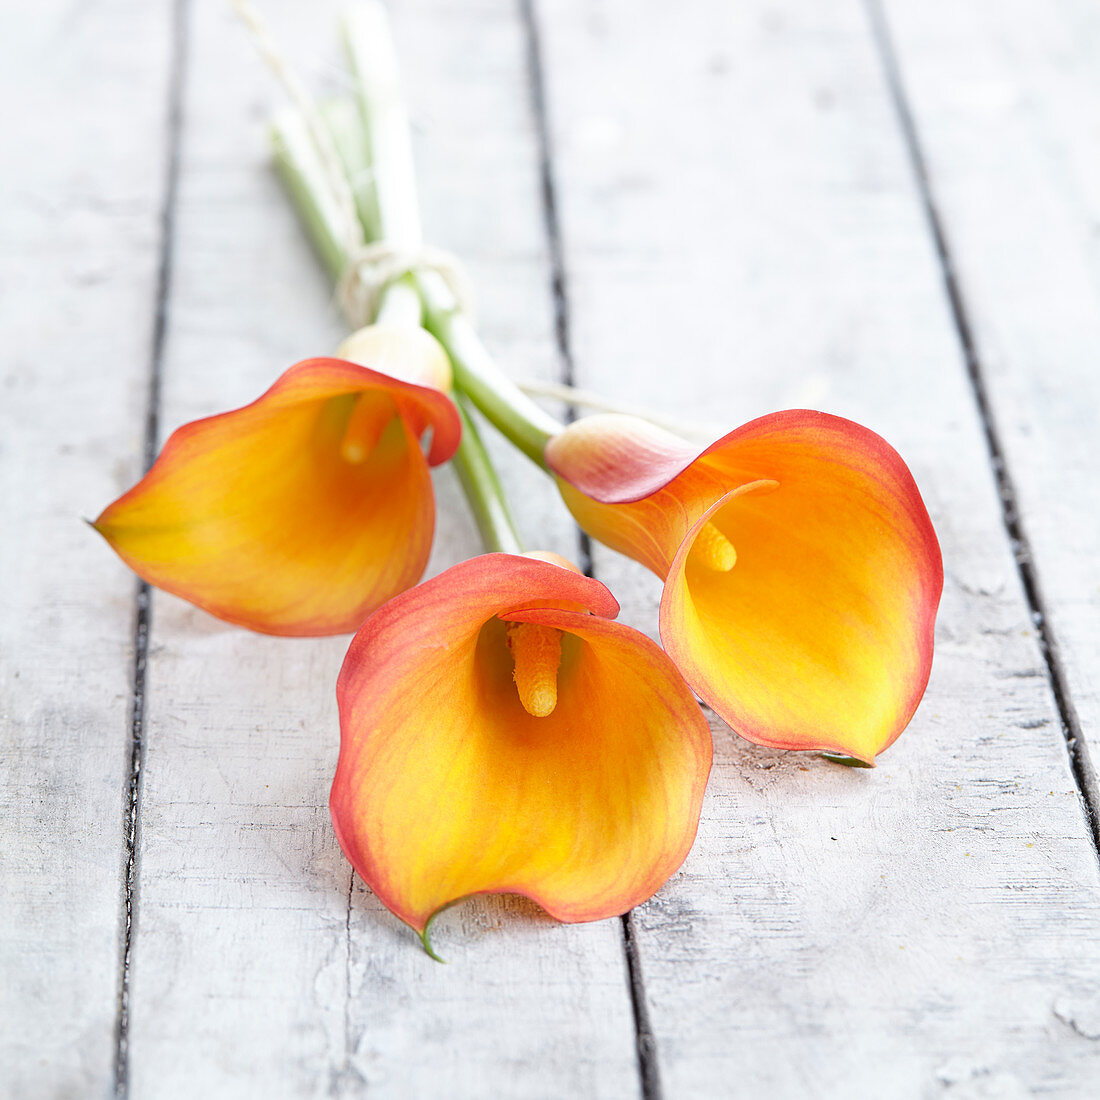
802 574
302 512
501 734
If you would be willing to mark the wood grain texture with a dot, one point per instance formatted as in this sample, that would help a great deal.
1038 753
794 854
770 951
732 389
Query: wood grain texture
260 967
85 93
1008 124
742 231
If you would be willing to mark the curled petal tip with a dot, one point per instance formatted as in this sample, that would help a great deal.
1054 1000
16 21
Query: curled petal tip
425 939
552 558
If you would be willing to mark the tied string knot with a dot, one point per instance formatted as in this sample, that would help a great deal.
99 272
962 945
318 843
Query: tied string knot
373 266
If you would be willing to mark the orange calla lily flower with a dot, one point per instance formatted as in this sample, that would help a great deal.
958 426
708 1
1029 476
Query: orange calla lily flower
802 574
303 512
501 734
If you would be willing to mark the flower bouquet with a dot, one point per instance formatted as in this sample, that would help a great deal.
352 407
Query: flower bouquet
500 731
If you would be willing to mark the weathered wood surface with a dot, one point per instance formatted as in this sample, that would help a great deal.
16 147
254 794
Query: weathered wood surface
933 925
742 230
85 95
1019 205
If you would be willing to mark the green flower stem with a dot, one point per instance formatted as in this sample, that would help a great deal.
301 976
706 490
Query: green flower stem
399 304
504 404
385 123
482 488
343 121
303 176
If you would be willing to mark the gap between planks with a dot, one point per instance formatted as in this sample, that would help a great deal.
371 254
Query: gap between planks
143 595
552 225
645 1039
1084 774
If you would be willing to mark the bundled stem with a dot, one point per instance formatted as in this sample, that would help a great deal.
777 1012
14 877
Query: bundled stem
504 404
385 124
482 487
385 128
373 149
302 173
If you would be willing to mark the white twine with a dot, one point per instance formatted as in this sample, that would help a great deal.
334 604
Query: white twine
373 265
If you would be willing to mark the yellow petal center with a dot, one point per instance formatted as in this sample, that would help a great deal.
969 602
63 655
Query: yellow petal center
713 549
536 651
364 428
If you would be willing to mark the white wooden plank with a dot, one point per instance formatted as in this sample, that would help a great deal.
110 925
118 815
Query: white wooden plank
83 163
251 973
1007 97
742 231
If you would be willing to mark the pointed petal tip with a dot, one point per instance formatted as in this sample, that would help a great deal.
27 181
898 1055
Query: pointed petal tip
425 938
103 527
849 761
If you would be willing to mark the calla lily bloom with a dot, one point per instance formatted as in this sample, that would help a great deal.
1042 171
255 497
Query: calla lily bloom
802 574
303 512
501 734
